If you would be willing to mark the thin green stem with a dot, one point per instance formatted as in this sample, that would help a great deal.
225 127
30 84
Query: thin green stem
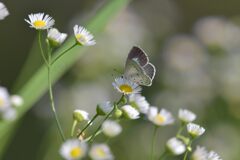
99 127
188 149
41 48
61 54
153 141
181 128
89 123
73 127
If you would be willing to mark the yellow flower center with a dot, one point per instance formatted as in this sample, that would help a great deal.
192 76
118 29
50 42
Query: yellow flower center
1 102
76 152
100 153
159 118
81 39
39 23
126 88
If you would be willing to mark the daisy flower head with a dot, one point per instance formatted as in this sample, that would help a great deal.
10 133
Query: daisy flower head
56 38
100 152
73 149
161 118
139 102
111 128
83 36
40 21
125 86
130 112
213 156
199 154
80 115
195 130
104 108
175 146
3 11
5 102
16 100
186 116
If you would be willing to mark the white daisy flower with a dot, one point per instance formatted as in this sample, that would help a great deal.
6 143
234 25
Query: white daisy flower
130 112
195 130
10 114
55 37
176 146
83 36
161 118
125 86
40 21
80 115
199 154
104 108
16 100
213 156
139 102
3 11
100 152
186 116
4 99
73 149
111 128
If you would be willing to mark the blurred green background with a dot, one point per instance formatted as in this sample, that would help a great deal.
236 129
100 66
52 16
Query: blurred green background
193 44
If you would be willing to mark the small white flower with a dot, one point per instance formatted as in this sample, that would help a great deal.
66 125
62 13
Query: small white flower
130 112
100 152
186 116
55 37
125 86
83 36
80 115
73 149
195 130
10 114
3 11
176 146
104 108
16 100
40 21
111 128
213 156
199 154
161 118
4 99
138 101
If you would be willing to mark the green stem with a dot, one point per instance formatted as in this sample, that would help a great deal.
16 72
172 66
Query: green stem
181 128
188 149
89 123
185 155
51 95
153 141
99 127
73 127
41 49
61 54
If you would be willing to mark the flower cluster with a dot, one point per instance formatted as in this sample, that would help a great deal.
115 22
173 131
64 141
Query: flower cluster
8 104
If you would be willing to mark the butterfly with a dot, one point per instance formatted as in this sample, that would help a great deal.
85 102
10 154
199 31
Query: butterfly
138 69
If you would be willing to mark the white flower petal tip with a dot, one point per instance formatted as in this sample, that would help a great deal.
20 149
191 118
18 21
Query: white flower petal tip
126 87
186 116
83 36
130 112
17 100
80 115
100 152
40 21
139 102
175 146
73 149
56 38
111 128
161 118
5 102
3 11
195 130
